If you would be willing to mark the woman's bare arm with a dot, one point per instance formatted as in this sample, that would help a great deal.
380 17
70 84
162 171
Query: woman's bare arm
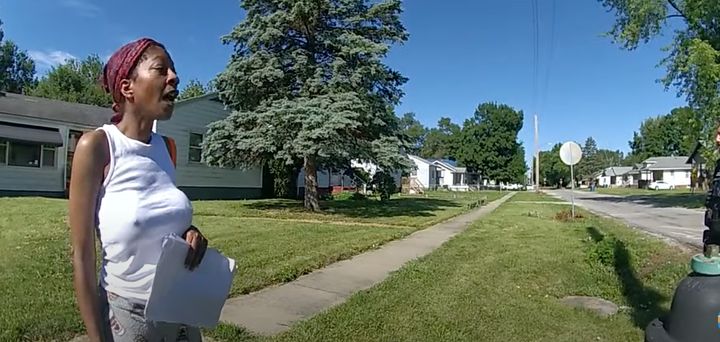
88 169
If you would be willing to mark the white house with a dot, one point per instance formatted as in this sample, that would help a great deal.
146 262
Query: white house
38 138
672 170
329 180
614 176
451 176
423 174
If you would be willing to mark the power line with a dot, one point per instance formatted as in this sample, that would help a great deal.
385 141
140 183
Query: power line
546 83
536 52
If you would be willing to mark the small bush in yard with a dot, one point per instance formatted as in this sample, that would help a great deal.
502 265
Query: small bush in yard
384 184
356 196
566 215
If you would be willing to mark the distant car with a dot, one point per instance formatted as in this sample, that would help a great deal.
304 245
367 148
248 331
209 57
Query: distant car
510 186
661 185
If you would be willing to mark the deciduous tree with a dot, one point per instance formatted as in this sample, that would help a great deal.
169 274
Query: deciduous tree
442 142
413 132
693 61
74 81
194 89
489 142
17 69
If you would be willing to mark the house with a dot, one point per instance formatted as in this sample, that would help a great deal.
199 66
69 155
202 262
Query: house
37 140
424 174
672 170
38 137
614 176
330 181
638 177
452 177
187 127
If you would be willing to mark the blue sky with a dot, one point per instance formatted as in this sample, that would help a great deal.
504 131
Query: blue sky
460 53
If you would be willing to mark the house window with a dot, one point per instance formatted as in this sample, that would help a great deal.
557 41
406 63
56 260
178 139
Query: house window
413 173
27 154
672 173
48 156
24 155
195 152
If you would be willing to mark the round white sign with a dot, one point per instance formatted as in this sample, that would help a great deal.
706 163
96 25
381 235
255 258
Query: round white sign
570 153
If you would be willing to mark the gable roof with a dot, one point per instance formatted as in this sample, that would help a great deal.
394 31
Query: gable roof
209 96
419 159
619 170
444 164
451 165
54 110
667 163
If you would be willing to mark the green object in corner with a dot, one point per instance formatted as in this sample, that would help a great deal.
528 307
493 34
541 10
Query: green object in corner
704 265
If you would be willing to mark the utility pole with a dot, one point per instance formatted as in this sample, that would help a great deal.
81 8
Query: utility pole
537 157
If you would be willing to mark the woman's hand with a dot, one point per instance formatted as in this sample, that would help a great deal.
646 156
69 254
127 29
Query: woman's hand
198 246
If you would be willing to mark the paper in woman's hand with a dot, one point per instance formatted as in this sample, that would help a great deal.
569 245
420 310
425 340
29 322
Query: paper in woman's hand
195 297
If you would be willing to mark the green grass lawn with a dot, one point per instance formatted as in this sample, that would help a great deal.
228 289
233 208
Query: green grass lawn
38 303
661 198
269 252
405 210
501 281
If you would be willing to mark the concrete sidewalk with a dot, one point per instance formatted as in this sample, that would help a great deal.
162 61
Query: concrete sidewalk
274 309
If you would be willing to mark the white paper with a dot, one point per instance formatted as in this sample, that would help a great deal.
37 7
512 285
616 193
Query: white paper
195 297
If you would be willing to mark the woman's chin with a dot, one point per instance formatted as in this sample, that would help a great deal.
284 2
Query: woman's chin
167 111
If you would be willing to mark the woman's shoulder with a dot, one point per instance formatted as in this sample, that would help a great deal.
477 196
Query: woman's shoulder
93 145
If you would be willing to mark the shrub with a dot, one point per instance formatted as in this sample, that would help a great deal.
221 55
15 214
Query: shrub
384 185
566 215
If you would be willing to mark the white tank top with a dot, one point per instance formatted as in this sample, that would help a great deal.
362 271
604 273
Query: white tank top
138 205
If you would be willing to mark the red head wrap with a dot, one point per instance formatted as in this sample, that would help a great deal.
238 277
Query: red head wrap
119 66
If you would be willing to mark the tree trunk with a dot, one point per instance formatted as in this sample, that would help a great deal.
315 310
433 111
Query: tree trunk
311 190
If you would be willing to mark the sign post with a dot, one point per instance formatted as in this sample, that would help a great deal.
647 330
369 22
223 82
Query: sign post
571 154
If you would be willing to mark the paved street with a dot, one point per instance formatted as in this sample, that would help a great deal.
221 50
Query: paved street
680 224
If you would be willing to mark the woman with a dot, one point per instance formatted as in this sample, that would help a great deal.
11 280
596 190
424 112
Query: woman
123 187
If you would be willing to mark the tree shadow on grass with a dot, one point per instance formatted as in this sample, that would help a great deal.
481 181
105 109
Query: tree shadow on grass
660 200
644 301
368 208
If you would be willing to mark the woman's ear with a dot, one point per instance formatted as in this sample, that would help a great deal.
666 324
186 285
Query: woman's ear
126 89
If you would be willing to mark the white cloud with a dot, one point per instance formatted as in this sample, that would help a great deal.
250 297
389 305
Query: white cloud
49 59
83 7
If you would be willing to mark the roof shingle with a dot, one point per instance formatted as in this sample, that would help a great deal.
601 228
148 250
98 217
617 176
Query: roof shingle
54 110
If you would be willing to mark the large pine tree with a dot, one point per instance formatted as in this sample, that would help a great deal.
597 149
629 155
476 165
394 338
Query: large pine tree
308 85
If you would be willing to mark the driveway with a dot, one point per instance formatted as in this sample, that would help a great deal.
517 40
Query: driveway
679 224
